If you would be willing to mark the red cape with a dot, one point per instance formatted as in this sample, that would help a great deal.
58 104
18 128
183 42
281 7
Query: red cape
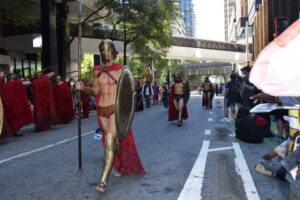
16 105
44 103
64 103
173 114
85 100
128 161
1 86
5 132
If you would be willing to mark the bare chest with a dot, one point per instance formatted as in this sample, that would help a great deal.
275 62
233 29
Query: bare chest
178 86
109 80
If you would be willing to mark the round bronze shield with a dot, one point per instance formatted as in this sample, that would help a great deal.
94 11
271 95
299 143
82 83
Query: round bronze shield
125 103
1 116
187 91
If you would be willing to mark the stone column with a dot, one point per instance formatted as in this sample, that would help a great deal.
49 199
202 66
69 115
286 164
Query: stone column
63 35
48 30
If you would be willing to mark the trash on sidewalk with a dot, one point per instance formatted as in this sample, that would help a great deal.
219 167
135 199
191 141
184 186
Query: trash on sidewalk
97 134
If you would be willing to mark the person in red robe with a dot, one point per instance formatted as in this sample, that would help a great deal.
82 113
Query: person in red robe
44 114
5 131
120 154
85 102
16 105
63 101
177 108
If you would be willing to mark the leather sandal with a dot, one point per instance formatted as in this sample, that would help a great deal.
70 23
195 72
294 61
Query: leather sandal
101 188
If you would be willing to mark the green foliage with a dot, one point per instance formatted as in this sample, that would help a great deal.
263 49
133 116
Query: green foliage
87 66
21 12
147 24
136 67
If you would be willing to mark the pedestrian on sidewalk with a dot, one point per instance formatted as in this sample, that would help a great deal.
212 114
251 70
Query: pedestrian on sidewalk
155 88
232 97
147 92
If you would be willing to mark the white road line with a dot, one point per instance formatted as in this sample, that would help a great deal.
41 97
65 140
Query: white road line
207 132
242 169
211 113
193 186
220 149
210 119
43 148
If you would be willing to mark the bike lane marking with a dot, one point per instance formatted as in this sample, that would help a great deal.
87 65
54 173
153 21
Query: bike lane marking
207 132
43 148
242 169
193 185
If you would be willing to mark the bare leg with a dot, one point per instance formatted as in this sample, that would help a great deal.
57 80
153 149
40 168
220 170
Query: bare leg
208 99
205 100
180 107
226 112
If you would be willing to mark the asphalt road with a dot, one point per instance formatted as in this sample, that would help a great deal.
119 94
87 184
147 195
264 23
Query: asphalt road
200 160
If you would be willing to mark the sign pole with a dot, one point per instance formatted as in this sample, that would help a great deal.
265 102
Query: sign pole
79 79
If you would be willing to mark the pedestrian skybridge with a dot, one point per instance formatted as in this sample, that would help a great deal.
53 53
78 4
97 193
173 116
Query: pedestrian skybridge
211 68
187 48
183 48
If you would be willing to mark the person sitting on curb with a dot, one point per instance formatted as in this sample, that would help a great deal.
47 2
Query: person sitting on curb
267 167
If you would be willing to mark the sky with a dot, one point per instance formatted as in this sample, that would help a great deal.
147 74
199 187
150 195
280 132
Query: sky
209 19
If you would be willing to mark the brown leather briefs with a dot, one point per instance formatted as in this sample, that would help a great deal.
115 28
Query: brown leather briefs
106 111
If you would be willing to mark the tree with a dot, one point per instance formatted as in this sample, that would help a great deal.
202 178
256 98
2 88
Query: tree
144 24
87 66
21 12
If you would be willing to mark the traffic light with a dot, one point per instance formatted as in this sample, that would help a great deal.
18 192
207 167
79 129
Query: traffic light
281 23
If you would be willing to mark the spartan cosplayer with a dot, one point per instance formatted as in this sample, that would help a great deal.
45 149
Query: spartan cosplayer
114 88
178 98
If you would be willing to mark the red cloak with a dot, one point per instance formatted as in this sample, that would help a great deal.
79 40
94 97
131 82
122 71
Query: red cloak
44 103
173 114
85 100
64 103
128 160
5 132
16 105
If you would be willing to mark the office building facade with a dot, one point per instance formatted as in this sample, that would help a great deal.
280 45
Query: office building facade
229 19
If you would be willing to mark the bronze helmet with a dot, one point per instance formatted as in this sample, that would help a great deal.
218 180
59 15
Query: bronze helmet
107 51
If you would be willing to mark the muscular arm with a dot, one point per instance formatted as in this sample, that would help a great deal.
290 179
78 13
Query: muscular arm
265 97
95 89
88 90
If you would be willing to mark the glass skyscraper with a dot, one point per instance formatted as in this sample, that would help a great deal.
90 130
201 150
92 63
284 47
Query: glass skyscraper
188 14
